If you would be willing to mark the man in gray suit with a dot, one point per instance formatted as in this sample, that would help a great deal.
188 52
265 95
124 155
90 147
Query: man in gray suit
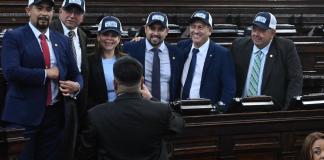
266 64
70 17
131 127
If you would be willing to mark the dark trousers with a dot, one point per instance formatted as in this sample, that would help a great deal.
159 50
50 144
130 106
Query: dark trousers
44 139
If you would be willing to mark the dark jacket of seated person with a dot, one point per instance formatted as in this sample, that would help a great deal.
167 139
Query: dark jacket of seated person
131 127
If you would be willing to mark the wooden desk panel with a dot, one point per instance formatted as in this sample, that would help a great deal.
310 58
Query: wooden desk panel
271 135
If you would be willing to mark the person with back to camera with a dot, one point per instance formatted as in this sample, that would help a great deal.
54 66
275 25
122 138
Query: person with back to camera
266 64
313 147
130 127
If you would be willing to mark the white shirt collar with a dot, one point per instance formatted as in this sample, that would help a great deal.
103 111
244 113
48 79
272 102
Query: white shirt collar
37 32
66 30
202 49
149 46
264 50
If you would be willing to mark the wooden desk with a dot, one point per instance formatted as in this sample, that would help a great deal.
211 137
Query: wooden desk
11 143
246 136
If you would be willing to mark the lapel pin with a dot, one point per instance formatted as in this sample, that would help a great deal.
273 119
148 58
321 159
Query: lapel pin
210 55
173 58
55 44
271 55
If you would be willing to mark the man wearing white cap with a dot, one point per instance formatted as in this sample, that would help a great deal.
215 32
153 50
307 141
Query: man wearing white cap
208 70
162 62
41 72
266 64
70 16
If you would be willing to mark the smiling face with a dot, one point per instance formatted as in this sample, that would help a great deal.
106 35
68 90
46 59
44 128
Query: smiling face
155 34
109 40
40 15
317 150
262 37
199 32
71 16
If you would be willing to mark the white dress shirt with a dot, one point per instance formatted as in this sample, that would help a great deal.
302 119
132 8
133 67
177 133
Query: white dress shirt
76 43
196 81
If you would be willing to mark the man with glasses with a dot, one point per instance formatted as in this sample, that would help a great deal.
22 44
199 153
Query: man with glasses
70 17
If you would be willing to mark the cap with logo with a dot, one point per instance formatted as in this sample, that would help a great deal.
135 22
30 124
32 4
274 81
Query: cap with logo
157 17
77 3
203 16
110 23
265 20
35 2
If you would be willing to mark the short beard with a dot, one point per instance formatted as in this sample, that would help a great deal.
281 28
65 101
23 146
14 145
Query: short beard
41 26
155 44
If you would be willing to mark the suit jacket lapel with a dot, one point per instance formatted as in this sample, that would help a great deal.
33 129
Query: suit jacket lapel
82 40
246 58
55 46
34 44
101 75
210 55
141 53
268 65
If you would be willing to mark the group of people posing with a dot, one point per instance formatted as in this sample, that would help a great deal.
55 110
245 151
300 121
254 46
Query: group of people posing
54 84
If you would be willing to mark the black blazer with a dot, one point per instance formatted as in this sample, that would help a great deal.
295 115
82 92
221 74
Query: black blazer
75 112
82 98
282 75
97 84
128 128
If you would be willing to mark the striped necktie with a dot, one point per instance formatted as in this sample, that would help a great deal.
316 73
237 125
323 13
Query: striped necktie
255 74
71 35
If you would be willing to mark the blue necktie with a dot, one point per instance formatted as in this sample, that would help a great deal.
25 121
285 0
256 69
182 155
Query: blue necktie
187 85
156 85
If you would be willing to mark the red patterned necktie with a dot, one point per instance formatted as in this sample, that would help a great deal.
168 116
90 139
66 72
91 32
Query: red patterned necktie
46 55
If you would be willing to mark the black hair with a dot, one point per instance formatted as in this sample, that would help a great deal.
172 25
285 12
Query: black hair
128 71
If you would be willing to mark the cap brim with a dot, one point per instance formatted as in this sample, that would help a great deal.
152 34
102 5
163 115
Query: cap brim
156 22
195 19
260 25
74 5
109 29
50 2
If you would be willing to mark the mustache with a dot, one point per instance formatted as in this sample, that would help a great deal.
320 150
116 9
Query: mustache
43 18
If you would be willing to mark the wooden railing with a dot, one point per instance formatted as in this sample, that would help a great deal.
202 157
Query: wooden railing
246 136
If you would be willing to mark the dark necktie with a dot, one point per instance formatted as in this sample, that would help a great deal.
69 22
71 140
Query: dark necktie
46 55
156 85
191 70
71 34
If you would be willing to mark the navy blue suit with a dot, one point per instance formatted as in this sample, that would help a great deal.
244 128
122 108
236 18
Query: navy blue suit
218 77
25 104
137 50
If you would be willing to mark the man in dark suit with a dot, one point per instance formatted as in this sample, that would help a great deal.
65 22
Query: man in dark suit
265 64
131 127
70 17
41 72
162 62
208 70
